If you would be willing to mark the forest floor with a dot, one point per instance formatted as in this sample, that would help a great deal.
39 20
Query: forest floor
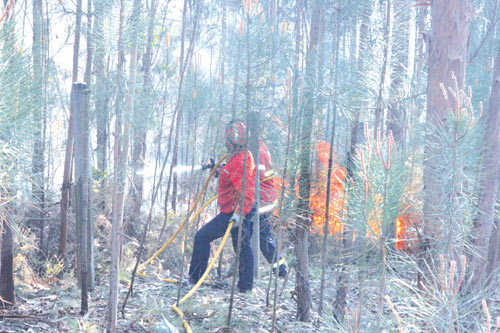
54 307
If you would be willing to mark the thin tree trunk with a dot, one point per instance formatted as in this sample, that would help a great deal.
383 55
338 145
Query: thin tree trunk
179 109
360 62
82 182
7 290
330 162
101 101
484 221
399 75
302 286
379 114
253 144
139 148
38 182
89 220
118 188
68 166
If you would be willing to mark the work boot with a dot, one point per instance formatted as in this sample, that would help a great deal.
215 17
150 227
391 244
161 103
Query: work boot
282 269
244 291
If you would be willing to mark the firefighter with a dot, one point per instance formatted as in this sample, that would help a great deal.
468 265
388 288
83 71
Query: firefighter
229 197
268 196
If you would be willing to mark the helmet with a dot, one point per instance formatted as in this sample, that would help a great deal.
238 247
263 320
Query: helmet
236 135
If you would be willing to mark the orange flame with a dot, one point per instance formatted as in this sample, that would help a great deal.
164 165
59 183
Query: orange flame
317 199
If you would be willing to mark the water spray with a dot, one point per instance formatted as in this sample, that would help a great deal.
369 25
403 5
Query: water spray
186 168
204 166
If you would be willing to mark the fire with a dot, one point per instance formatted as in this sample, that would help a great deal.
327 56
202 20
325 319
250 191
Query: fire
317 199
405 224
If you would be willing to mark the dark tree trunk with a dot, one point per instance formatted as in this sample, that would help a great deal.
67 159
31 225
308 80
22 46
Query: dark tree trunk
82 182
7 291
68 166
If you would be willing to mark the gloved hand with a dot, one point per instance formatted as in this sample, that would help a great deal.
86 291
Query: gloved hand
236 219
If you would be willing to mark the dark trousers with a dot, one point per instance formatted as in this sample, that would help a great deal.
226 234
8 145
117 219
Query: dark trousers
267 240
216 229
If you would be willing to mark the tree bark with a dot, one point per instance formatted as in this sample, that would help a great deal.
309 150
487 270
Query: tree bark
101 100
68 166
484 221
448 52
140 130
399 75
355 126
7 291
38 159
303 288
253 144
379 112
82 183
120 158
88 170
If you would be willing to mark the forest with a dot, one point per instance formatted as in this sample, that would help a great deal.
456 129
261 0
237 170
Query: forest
249 166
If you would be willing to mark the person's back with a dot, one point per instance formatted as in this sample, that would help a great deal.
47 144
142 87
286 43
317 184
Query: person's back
235 178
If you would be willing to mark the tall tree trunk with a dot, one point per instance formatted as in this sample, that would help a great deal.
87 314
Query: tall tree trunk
68 166
38 183
253 143
355 126
119 157
139 147
7 286
484 221
330 162
7 291
82 183
399 75
179 108
302 287
89 220
379 112
101 100
448 52
121 148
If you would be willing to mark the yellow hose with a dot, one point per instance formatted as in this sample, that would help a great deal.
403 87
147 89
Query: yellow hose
157 253
203 277
195 216
181 315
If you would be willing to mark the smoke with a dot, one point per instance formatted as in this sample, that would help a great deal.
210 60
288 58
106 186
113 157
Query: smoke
186 168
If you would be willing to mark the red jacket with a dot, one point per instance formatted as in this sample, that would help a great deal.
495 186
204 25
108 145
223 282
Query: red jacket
231 180
267 192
